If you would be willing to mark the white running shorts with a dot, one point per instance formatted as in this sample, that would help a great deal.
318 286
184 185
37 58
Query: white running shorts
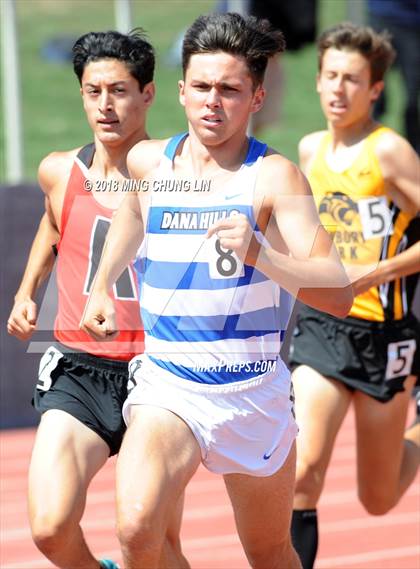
247 427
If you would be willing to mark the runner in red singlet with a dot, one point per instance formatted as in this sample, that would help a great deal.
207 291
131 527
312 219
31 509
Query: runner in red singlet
82 383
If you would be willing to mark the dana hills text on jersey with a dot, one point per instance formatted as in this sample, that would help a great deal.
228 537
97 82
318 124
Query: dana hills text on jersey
190 220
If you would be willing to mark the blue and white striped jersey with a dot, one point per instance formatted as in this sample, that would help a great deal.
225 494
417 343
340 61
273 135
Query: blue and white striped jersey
207 317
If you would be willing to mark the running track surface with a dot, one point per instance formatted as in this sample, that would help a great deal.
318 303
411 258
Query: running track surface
349 537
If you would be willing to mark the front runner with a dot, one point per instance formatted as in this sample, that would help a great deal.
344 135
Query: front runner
212 387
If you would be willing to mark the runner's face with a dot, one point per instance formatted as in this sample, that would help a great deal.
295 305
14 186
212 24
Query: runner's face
115 106
218 96
344 87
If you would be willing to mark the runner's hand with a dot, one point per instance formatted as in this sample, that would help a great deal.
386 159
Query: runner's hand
235 233
99 319
22 319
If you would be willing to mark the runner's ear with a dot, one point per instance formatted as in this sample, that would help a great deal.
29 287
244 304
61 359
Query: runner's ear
181 87
376 90
258 100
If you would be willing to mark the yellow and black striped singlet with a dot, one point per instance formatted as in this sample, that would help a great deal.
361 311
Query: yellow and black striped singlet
367 226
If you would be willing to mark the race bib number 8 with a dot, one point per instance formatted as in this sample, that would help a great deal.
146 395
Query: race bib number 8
223 263
400 358
47 365
376 217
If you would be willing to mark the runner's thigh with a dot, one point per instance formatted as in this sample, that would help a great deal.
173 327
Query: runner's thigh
321 405
263 507
65 457
158 456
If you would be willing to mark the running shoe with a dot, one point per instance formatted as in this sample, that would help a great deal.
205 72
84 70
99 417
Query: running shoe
108 564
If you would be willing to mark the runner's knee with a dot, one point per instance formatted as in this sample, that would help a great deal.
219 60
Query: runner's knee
376 501
309 479
139 532
49 534
271 556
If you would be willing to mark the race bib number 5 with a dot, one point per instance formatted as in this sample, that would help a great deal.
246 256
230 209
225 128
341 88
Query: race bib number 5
400 358
47 365
376 217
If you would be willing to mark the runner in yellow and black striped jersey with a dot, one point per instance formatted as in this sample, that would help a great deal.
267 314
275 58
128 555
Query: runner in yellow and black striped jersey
368 225
365 181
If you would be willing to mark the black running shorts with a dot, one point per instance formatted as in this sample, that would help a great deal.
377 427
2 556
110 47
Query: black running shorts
372 357
89 388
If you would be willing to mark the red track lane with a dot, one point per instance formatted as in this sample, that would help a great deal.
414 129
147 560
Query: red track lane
349 538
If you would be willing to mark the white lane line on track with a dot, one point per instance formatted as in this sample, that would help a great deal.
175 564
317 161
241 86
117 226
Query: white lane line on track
108 497
367 522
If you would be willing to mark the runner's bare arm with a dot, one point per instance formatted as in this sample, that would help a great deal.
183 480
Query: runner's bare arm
313 270
402 265
400 167
23 316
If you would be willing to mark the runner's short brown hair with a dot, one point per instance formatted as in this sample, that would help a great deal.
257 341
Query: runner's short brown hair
375 47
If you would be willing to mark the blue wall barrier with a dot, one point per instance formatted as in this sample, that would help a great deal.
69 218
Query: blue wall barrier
21 208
